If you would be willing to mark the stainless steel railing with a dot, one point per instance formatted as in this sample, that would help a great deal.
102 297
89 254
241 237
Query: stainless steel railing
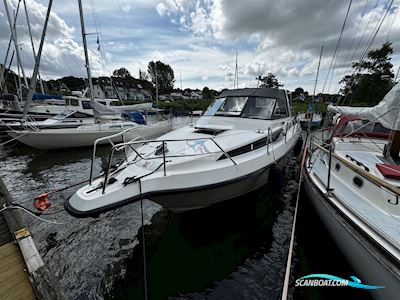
164 156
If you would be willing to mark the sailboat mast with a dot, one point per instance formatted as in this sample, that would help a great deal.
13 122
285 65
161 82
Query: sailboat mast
32 84
86 51
319 64
32 43
14 36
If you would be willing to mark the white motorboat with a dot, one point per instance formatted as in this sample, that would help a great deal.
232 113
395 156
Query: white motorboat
310 118
353 183
227 153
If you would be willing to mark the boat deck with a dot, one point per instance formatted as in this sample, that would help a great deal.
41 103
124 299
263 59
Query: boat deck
14 282
380 221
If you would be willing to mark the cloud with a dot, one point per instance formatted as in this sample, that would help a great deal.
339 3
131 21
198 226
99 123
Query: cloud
199 38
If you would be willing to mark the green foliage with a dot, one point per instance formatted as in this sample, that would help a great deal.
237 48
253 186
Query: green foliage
372 78
199 104
270 81
122 73
209 94
300 106
163 75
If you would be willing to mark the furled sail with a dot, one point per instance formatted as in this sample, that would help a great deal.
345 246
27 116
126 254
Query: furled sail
101 111
386 112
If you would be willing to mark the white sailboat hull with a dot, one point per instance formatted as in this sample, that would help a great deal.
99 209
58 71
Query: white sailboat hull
81 137
364 255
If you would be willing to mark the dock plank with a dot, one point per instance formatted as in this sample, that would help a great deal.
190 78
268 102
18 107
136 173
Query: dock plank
5 235
14 282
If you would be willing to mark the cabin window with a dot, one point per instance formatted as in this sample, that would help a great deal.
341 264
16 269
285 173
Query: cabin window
74 102
259 108
358 182
103 102
86 105
337 167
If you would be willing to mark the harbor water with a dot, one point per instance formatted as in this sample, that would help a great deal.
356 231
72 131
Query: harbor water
234 250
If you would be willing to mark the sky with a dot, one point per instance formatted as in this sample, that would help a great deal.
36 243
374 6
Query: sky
199 39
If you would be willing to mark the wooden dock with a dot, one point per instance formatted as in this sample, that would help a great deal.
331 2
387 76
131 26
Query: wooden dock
14 281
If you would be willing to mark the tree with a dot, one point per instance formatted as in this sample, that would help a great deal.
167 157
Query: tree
122 73
372 77
143 75
297 92
270 81
209 94
165 76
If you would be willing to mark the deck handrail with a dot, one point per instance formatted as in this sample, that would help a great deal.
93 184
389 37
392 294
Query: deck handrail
105 138
374 179
120 146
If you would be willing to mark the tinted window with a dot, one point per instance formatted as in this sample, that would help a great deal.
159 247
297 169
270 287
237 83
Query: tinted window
86 104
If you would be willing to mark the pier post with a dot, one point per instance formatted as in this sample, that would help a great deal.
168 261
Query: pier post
43 282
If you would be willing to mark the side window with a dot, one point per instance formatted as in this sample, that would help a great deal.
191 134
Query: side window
74 102
280 110
86 105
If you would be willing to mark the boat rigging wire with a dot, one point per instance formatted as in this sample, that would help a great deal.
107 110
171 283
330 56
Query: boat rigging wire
337 45
369 45
349 62
143 243
391 24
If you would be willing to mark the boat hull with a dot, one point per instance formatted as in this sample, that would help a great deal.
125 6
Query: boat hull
75 138
372 264
62 138
181 200
204 196
305 124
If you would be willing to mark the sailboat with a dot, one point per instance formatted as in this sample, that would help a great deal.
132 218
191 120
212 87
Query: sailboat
353 182
107 122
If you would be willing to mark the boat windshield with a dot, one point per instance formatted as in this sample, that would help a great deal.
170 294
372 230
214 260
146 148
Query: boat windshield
63 115
246 107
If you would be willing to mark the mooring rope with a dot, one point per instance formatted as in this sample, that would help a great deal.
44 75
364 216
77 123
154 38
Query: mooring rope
289 259
143 243
29 212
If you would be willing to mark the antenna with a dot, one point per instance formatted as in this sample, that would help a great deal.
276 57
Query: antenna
236 79
180 75
259 75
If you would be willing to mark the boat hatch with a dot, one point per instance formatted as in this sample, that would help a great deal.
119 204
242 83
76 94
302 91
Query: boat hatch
210 131
389 171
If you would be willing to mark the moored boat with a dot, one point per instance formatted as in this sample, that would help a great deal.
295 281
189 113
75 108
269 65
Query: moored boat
228 152
353 183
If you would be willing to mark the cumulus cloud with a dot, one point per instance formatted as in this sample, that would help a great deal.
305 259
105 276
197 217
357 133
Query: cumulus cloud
199 38
62 55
